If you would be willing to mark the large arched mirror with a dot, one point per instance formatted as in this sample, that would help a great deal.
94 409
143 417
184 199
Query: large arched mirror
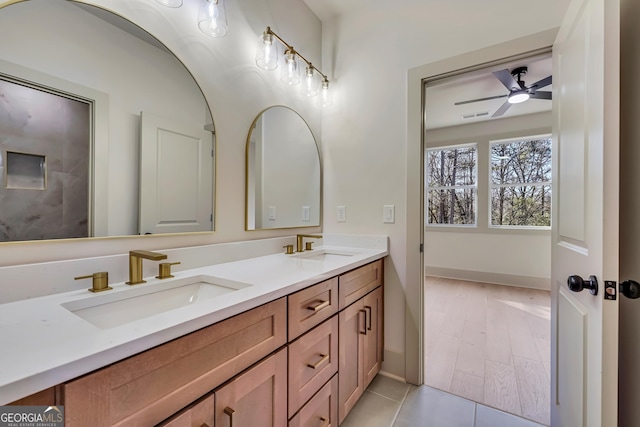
283 172
103 131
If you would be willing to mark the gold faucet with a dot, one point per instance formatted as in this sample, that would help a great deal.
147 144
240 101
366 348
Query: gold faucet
300 238
135 264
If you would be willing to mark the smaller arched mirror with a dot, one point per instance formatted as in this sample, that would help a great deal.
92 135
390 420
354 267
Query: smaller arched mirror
283 172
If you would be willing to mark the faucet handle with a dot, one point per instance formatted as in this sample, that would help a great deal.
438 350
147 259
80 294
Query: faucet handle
288 249
164 270
307 246
100 281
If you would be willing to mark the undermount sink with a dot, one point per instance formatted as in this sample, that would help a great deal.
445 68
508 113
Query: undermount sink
325 254
110 310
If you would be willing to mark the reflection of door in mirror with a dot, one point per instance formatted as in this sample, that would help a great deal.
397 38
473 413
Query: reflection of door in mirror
44 161
175 176
283 172
122 70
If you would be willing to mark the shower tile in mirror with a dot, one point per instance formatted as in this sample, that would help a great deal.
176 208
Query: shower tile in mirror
25 171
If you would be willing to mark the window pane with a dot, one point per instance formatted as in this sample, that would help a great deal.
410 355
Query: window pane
521 206
525 161
452 206
451 167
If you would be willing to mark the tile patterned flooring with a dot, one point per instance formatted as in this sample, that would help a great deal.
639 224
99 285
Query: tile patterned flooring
490 344
391 403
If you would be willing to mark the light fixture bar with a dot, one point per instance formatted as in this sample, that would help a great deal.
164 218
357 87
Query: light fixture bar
289 47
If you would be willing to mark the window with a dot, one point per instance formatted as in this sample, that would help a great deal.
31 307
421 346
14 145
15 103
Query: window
451 185
521 182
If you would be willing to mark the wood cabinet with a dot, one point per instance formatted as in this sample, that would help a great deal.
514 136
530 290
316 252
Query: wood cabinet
258 397
360 348
149 387
299 361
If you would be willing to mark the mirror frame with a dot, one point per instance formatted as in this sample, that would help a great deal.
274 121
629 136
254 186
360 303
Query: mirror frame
100 131
246 174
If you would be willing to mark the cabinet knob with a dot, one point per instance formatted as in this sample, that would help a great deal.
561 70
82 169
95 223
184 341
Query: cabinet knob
325 422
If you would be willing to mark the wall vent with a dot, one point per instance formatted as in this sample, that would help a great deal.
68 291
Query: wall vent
474 115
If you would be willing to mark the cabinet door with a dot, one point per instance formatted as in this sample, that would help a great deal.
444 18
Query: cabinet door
373 338
258 397
199 414
351 342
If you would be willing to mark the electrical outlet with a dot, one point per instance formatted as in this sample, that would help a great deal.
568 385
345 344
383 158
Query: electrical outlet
342 213
306 213
272 213
389 214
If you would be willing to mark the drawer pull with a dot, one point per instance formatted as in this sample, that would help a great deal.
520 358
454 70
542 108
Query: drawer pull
229 412
325 358
368 308
325 422
319 306
365 322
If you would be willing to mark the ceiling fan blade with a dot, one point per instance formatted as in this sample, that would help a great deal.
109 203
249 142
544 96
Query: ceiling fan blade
506 79
503 109
480 99
541 94
542 83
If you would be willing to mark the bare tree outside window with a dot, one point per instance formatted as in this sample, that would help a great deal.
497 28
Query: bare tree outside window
521 183
451 185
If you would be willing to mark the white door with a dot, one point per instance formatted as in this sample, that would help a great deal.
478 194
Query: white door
584 327
176 176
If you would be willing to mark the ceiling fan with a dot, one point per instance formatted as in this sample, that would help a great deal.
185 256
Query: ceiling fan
518 91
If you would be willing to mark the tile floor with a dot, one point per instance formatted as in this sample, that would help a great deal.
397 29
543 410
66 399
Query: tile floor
391 403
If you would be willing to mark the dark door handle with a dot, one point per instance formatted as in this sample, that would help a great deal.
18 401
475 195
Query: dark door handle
577 284
630 289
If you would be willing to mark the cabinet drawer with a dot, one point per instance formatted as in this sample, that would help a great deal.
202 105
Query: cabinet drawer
313 359
321 410
200 414
310 307
359 282
149 387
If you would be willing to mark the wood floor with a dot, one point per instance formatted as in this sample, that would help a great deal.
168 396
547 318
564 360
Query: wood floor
490 344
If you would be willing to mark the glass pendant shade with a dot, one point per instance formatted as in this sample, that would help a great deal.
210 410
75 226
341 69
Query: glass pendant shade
325 94
310 83
290 72
170 3
212 18
267 52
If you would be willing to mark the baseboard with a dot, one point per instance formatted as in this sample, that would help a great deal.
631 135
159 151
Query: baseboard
495 278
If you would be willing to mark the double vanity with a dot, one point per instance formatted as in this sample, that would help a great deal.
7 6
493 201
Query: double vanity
279 339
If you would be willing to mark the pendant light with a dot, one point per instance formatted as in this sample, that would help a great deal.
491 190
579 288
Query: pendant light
290 72
310 83
267 52
212 18
325 94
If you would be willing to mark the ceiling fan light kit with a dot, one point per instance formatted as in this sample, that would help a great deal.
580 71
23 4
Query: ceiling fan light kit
518 91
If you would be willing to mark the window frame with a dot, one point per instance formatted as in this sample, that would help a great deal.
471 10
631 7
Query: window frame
428 188
491 185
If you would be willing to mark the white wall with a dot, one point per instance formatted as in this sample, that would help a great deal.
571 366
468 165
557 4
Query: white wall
369 54
513 257
236 91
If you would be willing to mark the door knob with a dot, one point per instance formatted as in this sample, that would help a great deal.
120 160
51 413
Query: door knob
630 289
577 284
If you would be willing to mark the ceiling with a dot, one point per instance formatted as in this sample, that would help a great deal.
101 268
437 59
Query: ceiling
442 95
440 108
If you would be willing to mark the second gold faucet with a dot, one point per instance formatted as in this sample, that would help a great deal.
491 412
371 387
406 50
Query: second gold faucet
135 264
300 239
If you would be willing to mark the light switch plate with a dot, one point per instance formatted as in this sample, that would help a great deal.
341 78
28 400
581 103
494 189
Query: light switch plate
272 212
306 213
389 214
342 213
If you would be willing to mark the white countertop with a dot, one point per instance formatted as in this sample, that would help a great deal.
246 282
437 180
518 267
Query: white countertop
44 344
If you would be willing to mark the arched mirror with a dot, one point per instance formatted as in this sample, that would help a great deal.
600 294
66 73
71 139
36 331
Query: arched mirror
283 172
103 131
